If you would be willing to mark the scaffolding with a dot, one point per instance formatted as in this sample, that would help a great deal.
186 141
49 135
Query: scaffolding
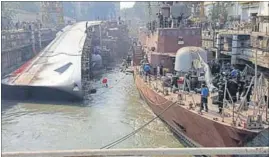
86 64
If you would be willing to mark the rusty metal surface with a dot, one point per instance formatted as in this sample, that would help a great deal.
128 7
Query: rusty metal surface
206 132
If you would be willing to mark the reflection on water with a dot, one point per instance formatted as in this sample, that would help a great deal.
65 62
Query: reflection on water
111 114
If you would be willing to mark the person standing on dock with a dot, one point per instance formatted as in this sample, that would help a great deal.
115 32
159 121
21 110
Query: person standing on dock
204 98
221 97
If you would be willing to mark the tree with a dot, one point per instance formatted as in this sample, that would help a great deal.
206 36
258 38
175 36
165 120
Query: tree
30 6
8 10
219 11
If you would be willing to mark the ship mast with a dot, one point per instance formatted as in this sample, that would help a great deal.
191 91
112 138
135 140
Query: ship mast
149 9
256 67
149 20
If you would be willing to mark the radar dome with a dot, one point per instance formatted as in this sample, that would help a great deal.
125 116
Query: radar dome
186 57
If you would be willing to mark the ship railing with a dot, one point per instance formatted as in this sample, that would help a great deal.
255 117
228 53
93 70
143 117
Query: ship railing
144 152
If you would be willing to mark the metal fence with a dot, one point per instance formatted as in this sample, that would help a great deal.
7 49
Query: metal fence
145 152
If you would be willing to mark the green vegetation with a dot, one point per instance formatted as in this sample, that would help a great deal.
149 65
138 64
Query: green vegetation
140 10
8 9
219 11
138 15
30 6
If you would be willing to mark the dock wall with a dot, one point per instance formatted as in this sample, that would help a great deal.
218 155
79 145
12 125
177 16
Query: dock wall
18 46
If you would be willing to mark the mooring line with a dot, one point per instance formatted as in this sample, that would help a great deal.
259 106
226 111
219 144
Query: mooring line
137 130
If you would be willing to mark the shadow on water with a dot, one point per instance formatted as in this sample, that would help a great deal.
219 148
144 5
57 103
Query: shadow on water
23 93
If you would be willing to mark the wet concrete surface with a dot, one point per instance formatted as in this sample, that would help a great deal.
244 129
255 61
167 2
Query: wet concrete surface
110 114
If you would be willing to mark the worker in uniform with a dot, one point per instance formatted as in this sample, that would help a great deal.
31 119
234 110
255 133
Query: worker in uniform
234 73
221 97
161 70
247 85
241 85
232 87
128 60
187 82
174 82
147 70
204 98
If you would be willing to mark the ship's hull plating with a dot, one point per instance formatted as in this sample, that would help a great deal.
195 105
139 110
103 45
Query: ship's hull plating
202 131
55 72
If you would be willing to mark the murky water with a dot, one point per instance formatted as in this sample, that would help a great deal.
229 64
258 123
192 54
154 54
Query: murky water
111 114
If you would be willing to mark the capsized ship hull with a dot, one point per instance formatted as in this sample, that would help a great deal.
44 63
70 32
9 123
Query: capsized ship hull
200 131
57 68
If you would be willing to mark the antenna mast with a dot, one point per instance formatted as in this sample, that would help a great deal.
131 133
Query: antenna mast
149 9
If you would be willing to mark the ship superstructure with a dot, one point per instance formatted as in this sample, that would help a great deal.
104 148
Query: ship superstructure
173 43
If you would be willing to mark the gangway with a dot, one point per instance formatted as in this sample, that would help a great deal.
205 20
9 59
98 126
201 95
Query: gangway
145 152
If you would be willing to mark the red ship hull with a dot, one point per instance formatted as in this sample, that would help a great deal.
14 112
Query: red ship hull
202 131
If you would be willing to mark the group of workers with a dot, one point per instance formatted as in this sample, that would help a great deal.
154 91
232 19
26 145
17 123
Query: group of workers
10 25
237 85
146 69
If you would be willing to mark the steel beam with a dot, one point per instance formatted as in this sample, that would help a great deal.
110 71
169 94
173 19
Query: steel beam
145 152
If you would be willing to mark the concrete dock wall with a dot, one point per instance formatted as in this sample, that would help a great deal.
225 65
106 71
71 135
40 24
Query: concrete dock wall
21 45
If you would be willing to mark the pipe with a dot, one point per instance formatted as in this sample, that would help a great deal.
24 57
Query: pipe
255 81
267 102
145 152
224 101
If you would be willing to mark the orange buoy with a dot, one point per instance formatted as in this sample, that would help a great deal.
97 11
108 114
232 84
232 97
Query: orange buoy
104 80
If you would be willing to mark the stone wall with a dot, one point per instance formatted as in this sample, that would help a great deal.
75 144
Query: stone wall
21 45
115 38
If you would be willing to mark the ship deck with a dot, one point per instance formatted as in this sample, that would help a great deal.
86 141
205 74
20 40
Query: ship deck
226 118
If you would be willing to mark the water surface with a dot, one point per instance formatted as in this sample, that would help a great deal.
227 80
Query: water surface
111 114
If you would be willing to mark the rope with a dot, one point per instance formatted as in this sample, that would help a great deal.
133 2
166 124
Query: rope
59 53
137 130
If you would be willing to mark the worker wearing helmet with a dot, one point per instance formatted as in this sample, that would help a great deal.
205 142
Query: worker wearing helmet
204 97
